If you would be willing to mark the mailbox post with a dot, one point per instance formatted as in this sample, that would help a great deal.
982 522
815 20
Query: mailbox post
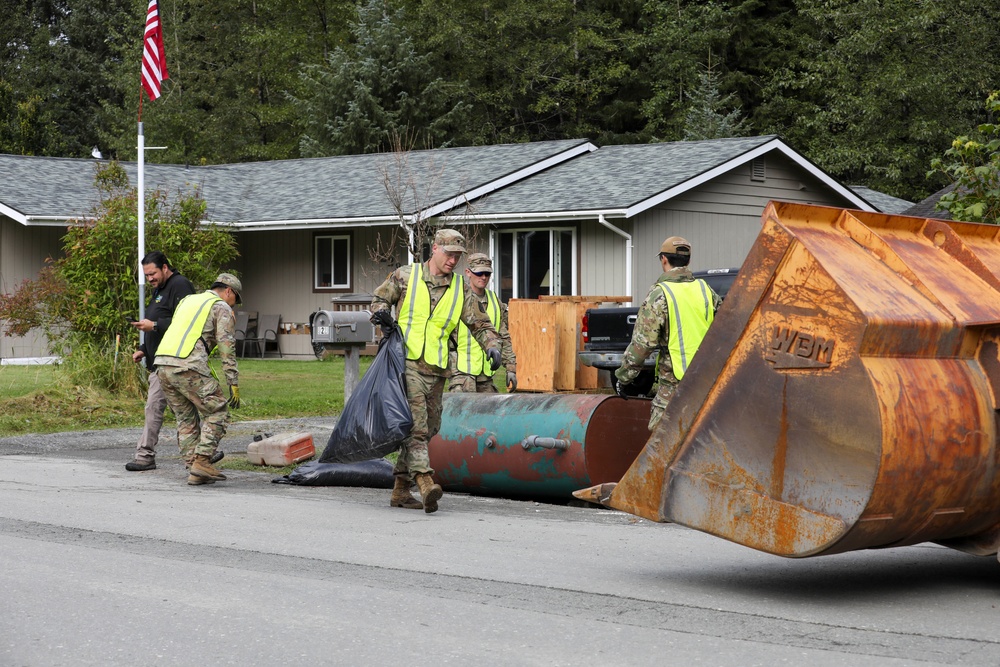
344 330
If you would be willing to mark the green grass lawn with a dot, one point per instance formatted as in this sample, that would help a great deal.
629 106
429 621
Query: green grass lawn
36 399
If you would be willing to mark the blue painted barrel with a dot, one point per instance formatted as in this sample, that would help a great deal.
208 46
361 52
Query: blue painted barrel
536 445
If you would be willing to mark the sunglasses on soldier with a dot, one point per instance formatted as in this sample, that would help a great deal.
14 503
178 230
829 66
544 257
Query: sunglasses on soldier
480 274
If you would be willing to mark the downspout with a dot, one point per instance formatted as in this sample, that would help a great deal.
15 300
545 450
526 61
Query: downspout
411 235
628 252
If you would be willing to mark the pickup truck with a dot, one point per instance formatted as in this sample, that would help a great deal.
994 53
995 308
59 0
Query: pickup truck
608 331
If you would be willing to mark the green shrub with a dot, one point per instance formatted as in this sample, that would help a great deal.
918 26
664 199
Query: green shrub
84 300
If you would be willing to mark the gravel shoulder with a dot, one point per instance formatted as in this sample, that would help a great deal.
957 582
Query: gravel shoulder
238 436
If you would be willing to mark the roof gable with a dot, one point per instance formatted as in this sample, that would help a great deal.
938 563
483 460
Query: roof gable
624 180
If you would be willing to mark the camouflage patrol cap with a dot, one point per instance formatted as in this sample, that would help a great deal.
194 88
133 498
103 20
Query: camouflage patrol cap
675 245
232 282
449 240
480 262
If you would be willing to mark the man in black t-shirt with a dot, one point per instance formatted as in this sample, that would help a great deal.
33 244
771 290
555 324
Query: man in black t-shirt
169 287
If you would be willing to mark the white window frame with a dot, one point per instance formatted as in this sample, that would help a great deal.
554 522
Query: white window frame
552 231
333 238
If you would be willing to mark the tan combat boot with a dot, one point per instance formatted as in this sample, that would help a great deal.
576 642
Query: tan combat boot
194 480
430 492
401 495
202 468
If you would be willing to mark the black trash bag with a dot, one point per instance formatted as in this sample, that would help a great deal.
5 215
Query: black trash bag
377 416
375 474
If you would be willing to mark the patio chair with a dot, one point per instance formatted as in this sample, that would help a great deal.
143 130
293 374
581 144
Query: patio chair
266 332
243 331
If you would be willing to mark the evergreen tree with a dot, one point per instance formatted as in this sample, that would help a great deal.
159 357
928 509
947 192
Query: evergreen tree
889 85
707 117
54 59
541 70
378 87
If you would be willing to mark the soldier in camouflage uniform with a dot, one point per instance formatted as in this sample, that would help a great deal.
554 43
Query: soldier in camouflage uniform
201 323
469 370
672 320
430 302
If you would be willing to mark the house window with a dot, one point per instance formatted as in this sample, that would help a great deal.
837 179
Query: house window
537 262
333 262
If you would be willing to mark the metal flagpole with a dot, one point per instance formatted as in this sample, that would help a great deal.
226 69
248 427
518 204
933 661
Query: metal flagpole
141 196
142 229
154 73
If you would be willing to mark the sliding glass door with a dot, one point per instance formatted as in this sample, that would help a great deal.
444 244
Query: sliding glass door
537 262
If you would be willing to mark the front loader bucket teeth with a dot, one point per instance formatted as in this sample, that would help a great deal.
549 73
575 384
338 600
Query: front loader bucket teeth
845 396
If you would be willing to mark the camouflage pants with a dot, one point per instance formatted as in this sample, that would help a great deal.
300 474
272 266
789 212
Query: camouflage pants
664 393
480 384
424 394
200 408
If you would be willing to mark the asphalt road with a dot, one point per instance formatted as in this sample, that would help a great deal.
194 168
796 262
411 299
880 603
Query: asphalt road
99 566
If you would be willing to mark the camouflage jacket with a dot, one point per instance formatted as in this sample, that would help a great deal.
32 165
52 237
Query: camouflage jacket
652 330
507 358
219 331
393 290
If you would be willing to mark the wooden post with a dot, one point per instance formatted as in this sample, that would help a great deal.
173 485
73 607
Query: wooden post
352 369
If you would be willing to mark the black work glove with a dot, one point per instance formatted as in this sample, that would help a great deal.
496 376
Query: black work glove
620 388
494 356
234 396
511 382
384 319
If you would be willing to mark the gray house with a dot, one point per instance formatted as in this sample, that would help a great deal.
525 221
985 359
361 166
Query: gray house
559 217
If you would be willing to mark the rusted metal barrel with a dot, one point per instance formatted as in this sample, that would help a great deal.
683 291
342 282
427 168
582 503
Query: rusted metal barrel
535 445
846 395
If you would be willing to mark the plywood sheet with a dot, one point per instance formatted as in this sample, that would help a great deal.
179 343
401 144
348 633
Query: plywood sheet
595 300
533 333
586 376
565 366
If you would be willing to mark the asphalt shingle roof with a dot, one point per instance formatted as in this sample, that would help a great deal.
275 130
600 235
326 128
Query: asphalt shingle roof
927 208
306 189
880 200
616 177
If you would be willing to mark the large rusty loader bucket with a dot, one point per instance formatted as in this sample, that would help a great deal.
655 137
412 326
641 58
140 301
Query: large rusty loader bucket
845 396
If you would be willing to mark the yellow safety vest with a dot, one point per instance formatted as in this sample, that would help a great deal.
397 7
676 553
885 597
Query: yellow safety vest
425 332
471 358
689 313
187 324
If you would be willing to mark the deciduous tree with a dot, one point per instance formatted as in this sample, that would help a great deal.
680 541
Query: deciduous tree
973 165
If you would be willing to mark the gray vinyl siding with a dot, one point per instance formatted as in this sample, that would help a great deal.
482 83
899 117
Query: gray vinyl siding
721 218
277 270
23 251
601 266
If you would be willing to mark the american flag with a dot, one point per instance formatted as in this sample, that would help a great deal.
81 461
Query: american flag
154 60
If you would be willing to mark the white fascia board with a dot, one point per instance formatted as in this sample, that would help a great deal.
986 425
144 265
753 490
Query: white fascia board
57 221
13 214
276 225
774 144
501 218
512 177
42 220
